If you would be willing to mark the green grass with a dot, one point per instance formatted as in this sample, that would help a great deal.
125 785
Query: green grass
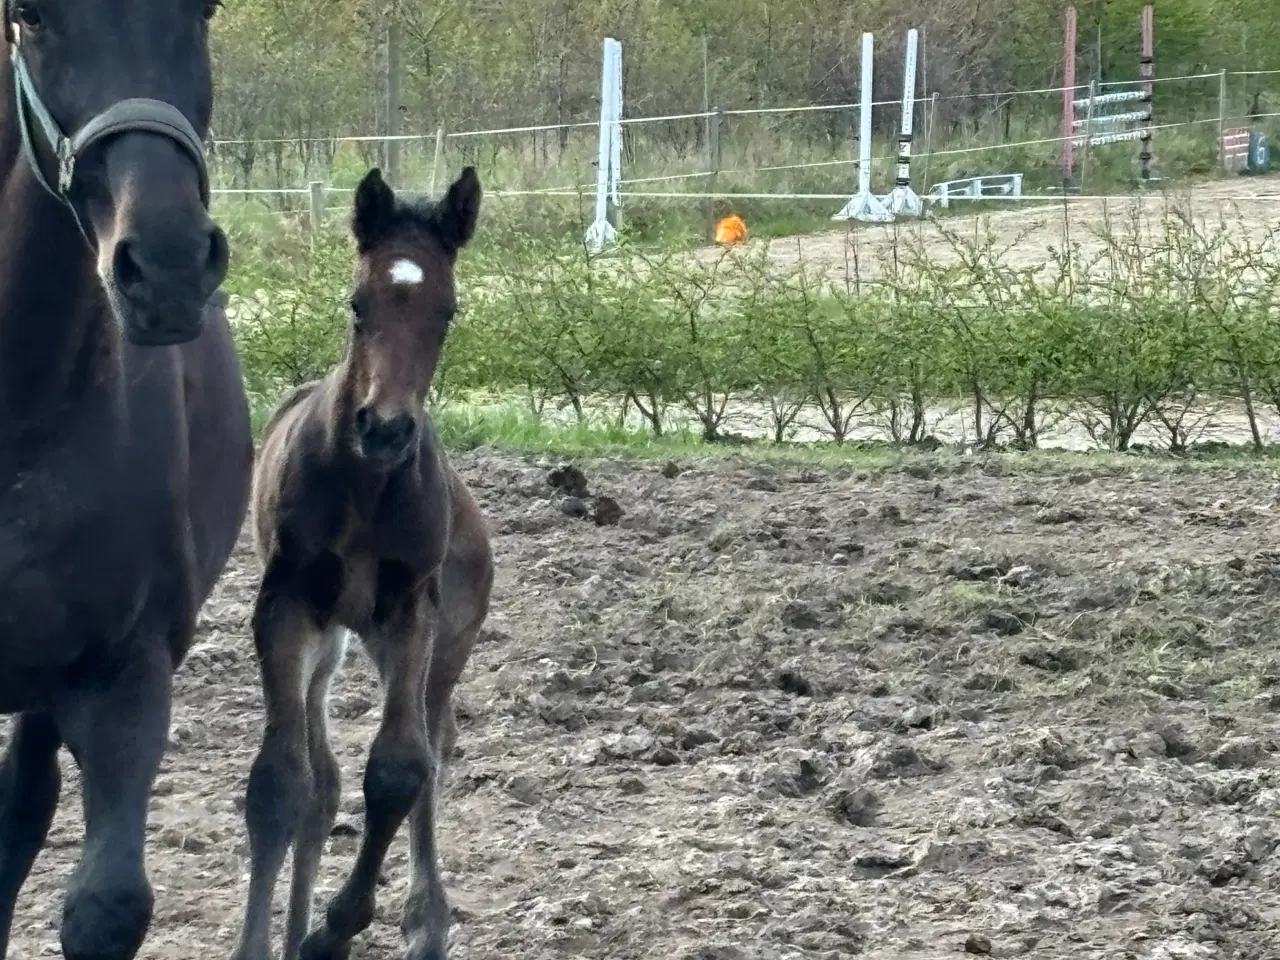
514 430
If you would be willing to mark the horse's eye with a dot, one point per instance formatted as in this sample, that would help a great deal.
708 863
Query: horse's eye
357 321
28 15
211 8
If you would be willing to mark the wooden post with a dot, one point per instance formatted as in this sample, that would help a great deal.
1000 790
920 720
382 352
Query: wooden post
713 165
393 98
1147 71
706 87
1068 98
317 211
436 161
1222 117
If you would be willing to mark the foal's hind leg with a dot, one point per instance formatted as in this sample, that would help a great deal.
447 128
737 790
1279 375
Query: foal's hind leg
400 765
29 784
117 735
326 789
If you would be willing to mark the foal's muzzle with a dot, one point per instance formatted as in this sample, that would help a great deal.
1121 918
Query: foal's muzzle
387 441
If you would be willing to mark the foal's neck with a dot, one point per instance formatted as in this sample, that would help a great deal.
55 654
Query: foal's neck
55 326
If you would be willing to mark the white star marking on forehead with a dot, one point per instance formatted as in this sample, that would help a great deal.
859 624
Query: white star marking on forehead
406 271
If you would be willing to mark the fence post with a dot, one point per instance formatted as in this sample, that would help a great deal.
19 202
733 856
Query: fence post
1069 99
1147 71
316 189
928 145
393 99
714 122
1088 132
1222 117
436 160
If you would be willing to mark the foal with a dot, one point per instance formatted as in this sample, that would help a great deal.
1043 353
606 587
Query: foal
363 526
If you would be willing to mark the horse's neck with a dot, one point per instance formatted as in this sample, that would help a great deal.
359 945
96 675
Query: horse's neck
54 321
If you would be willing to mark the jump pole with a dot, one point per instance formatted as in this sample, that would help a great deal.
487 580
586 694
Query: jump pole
902 199
864 205
609 154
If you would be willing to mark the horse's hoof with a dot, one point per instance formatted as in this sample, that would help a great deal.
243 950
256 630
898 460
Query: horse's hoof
323 945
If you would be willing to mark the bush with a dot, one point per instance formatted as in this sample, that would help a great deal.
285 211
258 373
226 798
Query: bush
1156 334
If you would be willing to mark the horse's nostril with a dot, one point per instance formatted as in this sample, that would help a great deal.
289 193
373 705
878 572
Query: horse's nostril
125 266
403 429
364 420
219 256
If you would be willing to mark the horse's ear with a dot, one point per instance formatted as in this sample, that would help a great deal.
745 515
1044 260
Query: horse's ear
374 205
458 210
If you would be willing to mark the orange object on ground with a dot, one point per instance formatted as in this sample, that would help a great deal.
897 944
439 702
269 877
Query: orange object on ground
732 229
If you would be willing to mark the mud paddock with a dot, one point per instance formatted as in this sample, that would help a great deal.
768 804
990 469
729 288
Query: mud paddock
783 712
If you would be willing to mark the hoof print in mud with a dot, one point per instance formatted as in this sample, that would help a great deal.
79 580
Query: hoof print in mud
569 480
606 512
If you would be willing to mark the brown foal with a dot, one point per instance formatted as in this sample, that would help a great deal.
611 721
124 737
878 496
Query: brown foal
364 527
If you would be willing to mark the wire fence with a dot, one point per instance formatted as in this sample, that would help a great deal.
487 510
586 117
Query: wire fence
822 179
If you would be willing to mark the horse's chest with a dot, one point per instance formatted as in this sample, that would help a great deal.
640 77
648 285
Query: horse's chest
73 562
381 560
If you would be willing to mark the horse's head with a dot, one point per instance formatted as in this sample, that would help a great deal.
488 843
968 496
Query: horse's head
116 99
401 308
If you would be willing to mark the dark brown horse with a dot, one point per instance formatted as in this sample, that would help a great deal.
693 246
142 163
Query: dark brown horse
363 526
125 450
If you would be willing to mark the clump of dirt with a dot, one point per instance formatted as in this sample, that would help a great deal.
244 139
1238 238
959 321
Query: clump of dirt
772 713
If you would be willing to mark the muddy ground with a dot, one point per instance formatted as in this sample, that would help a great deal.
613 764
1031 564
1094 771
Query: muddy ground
786 711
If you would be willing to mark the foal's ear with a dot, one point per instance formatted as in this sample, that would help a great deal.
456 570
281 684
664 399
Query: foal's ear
375 203
458 210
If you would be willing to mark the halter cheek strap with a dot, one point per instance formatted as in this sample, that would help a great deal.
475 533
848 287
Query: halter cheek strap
135 115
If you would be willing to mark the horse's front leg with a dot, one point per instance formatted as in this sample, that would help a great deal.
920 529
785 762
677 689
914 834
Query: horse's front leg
116 731
29 785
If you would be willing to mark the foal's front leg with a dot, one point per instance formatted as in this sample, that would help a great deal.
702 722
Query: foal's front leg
400 765
280 781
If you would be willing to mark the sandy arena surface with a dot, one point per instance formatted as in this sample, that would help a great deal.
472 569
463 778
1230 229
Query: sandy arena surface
797 712
1247 206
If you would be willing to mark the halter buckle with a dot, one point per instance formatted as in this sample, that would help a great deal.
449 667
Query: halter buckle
66 166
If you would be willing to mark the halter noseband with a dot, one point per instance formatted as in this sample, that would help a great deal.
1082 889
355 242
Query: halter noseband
127 116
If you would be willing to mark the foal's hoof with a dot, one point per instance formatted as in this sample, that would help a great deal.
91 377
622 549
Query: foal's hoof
323 945
425 950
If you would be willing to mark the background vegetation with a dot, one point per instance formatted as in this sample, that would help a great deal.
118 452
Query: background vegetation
1160 336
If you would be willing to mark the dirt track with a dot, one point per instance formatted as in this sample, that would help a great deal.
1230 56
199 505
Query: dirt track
1031 230
782 712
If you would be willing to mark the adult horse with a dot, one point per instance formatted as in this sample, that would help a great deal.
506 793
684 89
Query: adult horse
125 449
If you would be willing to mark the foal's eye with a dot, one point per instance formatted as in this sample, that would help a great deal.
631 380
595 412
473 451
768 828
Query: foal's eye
28 15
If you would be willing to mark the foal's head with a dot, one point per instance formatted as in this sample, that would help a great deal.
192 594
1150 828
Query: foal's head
117 96
401 308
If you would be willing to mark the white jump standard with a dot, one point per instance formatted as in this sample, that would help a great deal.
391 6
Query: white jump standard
865 205
902 199
602 232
